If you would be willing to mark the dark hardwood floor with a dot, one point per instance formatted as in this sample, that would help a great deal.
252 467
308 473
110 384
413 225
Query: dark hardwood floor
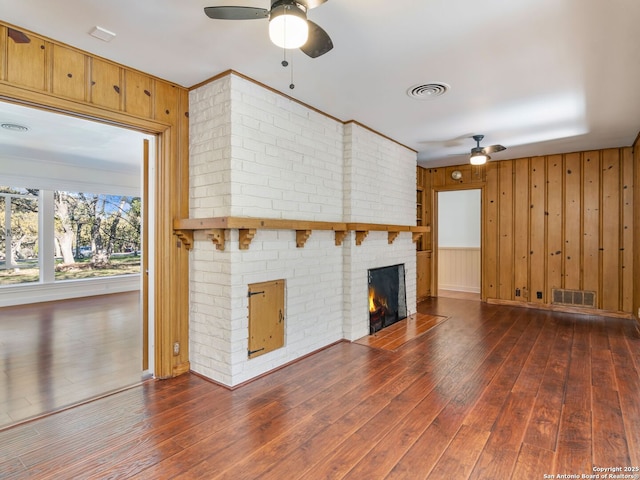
56 354
494 392
397 334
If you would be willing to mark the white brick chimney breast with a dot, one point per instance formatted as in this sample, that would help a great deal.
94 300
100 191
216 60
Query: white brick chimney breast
257 153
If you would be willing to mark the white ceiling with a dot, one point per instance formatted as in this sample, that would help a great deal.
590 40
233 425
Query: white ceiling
65 140
537 76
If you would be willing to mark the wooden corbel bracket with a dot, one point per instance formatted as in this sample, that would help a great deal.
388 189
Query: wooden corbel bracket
246 235
301 237
217 236
392 236
340 234
360 236
416 236
185 237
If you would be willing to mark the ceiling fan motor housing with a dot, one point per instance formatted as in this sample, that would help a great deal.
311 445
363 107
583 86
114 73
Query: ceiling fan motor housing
288 4
288 23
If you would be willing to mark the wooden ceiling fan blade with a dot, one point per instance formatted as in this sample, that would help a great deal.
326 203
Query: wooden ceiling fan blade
493 149
318 43
236 13
18 36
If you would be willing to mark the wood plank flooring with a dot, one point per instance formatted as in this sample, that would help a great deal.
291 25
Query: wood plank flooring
56 354
396 335
495 392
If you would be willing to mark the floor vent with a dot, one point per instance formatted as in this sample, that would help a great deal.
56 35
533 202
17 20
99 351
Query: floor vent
579 298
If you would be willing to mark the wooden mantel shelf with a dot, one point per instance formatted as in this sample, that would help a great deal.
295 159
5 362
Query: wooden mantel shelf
216 227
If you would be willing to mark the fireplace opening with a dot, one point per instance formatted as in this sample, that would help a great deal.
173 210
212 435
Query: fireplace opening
387 297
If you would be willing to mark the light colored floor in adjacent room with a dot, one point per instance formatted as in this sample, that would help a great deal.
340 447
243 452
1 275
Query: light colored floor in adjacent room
56 354
459 295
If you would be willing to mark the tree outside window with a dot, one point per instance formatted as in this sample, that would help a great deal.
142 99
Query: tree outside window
95 235
19 235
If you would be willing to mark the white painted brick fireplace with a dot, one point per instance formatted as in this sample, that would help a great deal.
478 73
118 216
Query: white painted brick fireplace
256 153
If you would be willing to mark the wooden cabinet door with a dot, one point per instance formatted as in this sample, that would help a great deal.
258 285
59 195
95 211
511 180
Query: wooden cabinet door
266 317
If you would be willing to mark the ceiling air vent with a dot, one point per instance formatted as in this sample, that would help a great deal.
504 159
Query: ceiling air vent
14 127
428 91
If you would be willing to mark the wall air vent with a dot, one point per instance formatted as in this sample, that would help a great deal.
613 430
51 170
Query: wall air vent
576 298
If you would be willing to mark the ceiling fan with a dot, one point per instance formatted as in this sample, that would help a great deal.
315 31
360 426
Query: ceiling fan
288 24
480 155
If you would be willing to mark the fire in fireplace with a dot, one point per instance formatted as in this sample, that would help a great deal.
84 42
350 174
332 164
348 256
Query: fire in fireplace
387 297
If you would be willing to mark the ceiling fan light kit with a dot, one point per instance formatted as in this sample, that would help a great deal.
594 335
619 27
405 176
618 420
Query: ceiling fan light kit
480 155
288 26
478 158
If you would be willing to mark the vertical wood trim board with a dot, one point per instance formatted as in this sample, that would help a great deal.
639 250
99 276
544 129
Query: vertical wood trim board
626 232
636 229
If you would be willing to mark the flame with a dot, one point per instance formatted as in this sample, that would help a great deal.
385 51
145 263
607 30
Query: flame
372 305
376 301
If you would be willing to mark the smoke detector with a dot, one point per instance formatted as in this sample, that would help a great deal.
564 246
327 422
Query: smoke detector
102 34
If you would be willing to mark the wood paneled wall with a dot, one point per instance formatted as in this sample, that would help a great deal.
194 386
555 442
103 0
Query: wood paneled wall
557 221
47 74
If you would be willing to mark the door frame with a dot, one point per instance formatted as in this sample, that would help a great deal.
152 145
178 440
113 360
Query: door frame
434 232
163 133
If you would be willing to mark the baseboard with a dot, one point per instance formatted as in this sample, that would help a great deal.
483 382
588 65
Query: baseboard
23 294
560 308
181 368
458 288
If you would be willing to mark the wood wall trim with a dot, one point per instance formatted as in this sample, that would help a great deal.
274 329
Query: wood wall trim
184 228
227 73
636 229
362 125
254 222
152 106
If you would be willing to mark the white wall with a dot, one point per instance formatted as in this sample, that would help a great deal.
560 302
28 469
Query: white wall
459 218
459 231
257 153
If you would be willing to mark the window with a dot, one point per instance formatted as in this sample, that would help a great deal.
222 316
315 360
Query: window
19 244
96 235
93 235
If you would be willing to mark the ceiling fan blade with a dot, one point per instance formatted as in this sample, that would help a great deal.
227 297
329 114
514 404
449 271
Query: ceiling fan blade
493 149
318 43
311 3
449 142
236 13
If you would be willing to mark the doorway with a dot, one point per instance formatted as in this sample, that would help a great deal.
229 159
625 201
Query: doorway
458 243
75 162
